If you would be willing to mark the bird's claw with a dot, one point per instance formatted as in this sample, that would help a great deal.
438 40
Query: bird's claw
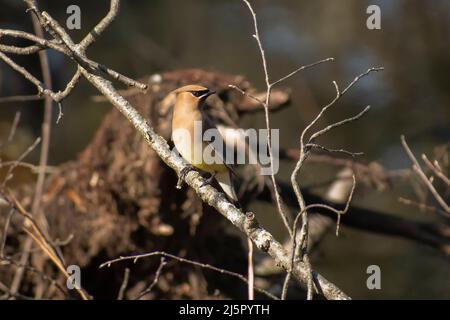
183 174
209 180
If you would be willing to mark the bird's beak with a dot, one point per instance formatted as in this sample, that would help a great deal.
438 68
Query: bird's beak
206 95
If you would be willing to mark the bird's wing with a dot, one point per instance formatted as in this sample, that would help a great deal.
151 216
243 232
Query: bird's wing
208 123
225 181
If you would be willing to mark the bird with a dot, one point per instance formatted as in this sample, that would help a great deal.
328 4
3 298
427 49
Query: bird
188 116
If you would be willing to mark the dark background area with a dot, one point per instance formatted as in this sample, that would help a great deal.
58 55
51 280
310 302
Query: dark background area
410 97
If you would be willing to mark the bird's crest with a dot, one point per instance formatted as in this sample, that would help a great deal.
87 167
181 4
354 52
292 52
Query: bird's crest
191 87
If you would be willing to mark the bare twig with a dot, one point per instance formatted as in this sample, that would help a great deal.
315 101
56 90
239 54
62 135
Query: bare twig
278 199
9 294
124 284
135 258
339 94
232 86
437 171
39 85
77 53
46 124
348 153
20 98
34 168
61 95
5 233
6 261
304 151
265 104
303 232
418 169
303 154
251 273
69 48
14 125
20 50
338 124
301 69
102 25
16 163
41 42
32 228
162 263
43 158
421 206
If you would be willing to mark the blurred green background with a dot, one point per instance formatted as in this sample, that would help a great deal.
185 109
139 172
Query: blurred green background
410 97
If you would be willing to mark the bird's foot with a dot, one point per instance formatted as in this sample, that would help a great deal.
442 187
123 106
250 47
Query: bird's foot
183 174
209 180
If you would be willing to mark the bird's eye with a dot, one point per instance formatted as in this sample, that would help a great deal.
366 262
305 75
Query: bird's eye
196 93
199 93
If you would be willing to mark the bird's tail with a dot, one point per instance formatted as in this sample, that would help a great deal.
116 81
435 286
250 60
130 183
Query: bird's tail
225 182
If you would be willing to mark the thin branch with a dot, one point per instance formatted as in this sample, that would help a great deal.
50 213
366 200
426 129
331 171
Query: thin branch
32 228
338 124
359 167
70 49
101 26
21 98
5 233
359 77
46 124
14 125
20 50
301 69
232 86
339 94
251 273
303 154
437 171
348 153
16 163
418 169
278 198
77 54
41 42
10 294
420 205
43 157
135 258
334 210
124 284
32 167
39 85
7 260
162 263
303 239
258 41
61 95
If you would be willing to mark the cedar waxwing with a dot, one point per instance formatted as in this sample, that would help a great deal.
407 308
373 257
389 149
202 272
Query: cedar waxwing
188 118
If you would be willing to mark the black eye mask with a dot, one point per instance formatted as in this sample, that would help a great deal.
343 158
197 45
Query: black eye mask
199 93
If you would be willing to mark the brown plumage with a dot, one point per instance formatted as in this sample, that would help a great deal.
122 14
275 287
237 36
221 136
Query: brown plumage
189 123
